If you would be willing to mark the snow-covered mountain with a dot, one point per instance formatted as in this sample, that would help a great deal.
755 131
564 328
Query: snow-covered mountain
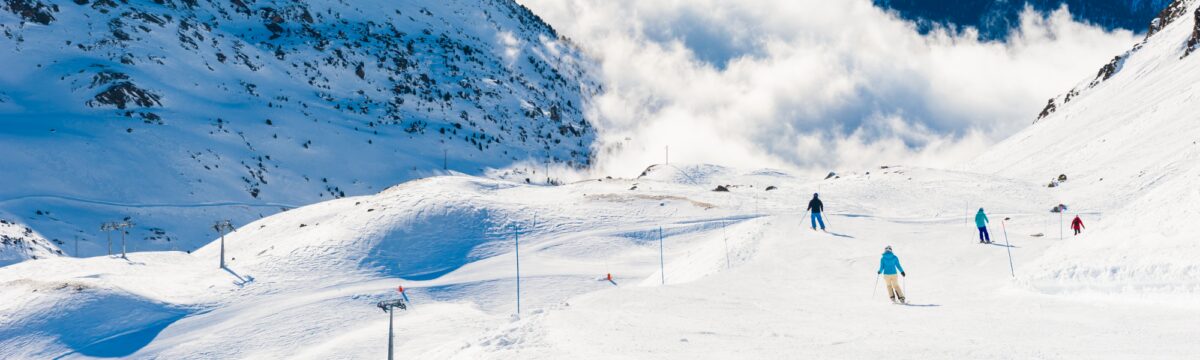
176 113
693 261
1128 145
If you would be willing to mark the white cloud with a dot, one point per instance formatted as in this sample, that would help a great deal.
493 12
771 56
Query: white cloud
813 84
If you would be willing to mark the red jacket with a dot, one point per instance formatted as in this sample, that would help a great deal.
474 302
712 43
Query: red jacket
1077 223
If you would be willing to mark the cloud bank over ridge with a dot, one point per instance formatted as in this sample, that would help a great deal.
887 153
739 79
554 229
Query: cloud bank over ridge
813 84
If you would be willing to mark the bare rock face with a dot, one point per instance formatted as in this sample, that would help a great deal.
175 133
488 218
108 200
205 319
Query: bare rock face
1194 41
1049 109
32 10
123 94
1106 72
1167 16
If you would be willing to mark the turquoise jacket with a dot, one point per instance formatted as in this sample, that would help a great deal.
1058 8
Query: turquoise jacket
981 220
890 264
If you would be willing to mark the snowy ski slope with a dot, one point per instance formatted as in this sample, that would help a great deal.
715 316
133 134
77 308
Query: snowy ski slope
741 274
744 277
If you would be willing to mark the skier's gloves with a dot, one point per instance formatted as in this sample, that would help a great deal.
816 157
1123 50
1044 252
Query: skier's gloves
880 273
902 274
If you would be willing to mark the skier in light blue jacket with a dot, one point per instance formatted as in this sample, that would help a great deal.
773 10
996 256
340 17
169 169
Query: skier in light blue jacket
889 265
981 222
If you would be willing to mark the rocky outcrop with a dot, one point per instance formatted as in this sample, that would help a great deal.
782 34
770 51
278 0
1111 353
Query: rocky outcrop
19 243
1173 11
1108 70
1194 41
32 10
1049 109
124 94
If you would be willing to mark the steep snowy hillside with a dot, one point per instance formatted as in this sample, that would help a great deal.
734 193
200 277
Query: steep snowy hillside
1128 144
176 113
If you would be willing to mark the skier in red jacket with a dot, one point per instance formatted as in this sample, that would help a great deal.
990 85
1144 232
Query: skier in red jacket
1077 225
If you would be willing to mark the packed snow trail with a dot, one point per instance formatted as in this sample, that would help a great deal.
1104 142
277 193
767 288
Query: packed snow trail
808 295
745 277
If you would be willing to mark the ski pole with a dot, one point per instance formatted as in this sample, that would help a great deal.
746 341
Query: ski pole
876 288
1008 246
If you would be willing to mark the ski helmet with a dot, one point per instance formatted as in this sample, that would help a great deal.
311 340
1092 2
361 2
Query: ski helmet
888 248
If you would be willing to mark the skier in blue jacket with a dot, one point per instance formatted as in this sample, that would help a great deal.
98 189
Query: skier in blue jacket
889 265
981 222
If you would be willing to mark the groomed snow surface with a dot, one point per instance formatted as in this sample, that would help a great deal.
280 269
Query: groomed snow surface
744 277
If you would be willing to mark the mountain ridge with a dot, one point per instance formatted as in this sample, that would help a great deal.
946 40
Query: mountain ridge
270 101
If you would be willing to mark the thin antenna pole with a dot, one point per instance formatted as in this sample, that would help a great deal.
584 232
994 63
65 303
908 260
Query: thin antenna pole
517 246
728 263
662 268
1008 246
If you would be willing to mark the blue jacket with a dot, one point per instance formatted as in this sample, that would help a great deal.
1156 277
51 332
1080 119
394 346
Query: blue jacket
890 264
981 220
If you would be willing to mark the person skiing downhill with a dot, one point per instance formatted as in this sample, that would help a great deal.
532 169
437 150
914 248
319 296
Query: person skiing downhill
816 207
981 222
889 265
1077 225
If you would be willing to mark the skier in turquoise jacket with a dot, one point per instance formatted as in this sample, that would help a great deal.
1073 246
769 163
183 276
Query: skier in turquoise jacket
889 265
981 222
